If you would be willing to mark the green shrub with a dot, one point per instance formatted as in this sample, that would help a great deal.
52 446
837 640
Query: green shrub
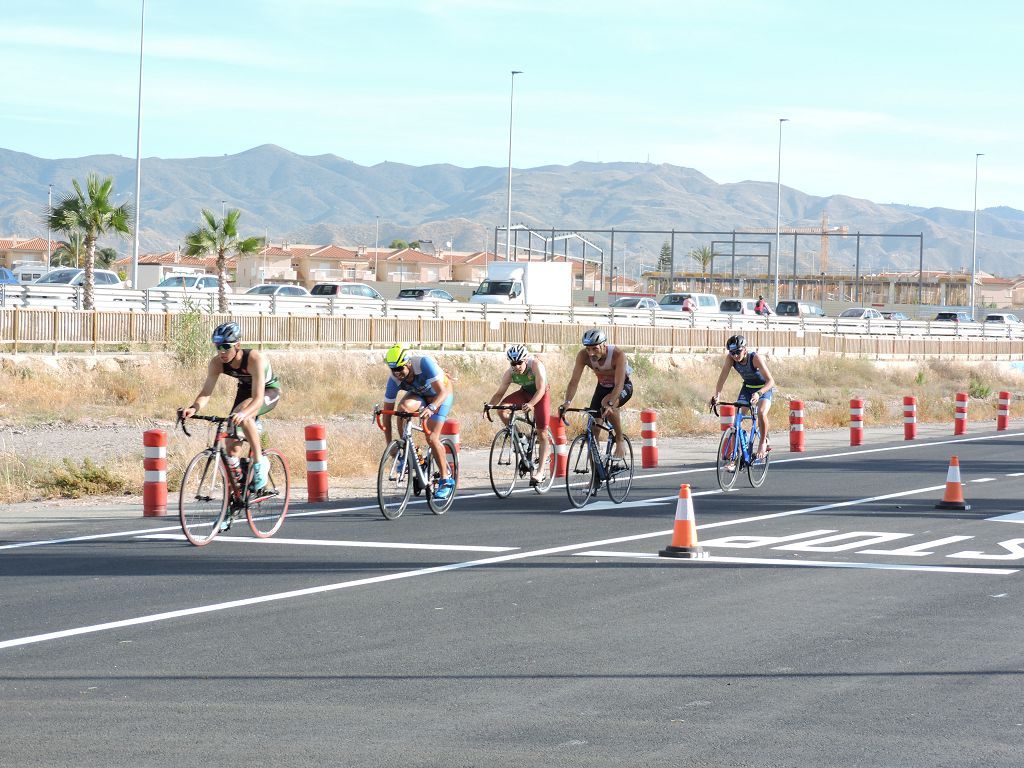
190 334
73 482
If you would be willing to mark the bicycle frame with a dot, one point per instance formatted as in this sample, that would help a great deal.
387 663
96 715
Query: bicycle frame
745 439
518 417
408 443
592 444
239 494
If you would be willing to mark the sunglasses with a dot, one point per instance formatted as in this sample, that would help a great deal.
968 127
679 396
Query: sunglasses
517 363
224 347
735 352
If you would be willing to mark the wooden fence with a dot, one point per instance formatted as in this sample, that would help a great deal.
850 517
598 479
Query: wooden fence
65 329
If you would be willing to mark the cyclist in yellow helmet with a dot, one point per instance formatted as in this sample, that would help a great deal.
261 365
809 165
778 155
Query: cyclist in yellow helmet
428 390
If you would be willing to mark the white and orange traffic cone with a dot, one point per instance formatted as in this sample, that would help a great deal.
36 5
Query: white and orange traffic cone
953 498
684 533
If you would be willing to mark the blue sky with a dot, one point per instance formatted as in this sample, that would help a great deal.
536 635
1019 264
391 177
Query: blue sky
886 101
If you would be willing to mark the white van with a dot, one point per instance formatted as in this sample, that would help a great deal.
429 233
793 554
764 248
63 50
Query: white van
738 306
673 302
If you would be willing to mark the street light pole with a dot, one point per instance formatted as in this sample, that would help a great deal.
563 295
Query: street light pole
138 156
508 226
49 211
974 246
778 212
376 249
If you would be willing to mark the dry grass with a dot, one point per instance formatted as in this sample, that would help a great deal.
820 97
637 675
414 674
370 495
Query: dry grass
339 389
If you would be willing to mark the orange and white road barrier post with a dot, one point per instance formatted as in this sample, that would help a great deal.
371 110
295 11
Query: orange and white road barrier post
1003 414
154 465
316 462
726 413
451 428
856 422
960 417
560 447
649 438
684 532
953 498
909 418
796 426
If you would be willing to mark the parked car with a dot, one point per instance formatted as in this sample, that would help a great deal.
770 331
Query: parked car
7 277
791 308
673 302
193 283
634 302
275 289
895 316
348 290
1005 318
953 317
424 294
102 278
861 313
738 306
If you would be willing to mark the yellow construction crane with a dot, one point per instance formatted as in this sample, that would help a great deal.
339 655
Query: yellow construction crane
824 230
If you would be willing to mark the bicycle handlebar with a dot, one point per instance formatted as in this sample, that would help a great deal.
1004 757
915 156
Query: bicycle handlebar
737 404
218 420
378 412
562 411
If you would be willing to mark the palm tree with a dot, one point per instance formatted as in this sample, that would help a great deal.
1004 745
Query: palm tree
91 214
702 256
220 238
68 253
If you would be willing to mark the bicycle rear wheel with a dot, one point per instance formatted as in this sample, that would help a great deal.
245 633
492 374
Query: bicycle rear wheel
580 477
727 464
620 474
451 457
394 482
757 469
548 469
203 499
268 506
504 465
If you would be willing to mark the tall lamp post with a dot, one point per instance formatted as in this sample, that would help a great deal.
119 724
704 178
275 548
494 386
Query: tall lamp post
508 224
138 156
974 245
778 212
49 210
376 249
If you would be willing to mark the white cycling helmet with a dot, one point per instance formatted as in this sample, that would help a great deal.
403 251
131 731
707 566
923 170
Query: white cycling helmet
516 353
593 337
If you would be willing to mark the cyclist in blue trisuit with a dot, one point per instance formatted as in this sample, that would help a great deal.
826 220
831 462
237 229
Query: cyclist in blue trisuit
428 390
757 384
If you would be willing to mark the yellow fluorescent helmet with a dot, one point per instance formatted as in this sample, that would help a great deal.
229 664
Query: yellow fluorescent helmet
397 356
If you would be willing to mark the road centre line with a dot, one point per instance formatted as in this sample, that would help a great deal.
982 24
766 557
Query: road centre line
337 543
713 559
156 617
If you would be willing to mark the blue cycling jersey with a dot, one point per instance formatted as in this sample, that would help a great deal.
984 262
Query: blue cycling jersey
426 381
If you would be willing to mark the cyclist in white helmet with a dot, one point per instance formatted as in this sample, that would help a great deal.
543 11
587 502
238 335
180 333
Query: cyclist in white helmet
533 394
614 387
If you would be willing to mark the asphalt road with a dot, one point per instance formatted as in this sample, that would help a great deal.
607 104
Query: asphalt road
841 620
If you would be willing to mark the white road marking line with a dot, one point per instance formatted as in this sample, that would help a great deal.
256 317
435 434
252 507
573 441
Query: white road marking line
155 617
712 559
1013 517
1013 474
338 543
982 480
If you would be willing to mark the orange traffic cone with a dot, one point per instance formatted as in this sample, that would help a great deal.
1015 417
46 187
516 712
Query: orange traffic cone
953 498
684 533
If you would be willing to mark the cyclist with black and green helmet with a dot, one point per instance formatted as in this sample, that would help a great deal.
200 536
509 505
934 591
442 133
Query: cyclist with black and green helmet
534 394
258 392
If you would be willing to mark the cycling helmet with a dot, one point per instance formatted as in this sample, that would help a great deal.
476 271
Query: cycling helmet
227 333
593 337
516 353
736 343
397 356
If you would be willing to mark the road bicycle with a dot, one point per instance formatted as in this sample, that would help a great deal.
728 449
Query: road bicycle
211 496
588 466
515 452
406 469
737 449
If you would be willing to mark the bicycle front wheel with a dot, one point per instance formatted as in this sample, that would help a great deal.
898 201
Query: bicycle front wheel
268 506
451 457
504 464
727 463
620 473
203 499
548 470
757 469
580 477
394 482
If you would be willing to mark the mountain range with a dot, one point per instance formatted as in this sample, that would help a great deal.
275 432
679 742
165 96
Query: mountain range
325 198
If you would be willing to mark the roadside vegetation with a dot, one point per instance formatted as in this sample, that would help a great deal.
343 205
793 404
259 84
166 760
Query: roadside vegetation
340 388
